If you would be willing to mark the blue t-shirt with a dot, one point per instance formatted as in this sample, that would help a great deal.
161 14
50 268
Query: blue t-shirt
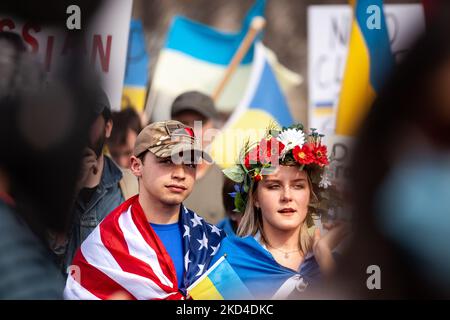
170 236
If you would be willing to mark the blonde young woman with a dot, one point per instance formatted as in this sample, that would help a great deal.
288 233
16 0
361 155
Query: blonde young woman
278 251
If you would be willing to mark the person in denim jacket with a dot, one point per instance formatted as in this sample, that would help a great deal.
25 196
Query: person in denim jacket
99 184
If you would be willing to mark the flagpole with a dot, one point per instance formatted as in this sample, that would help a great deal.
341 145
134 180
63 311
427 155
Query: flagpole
256 26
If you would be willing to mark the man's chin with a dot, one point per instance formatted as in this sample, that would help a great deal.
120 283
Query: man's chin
174 200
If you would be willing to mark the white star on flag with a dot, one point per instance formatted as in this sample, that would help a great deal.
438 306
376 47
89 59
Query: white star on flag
196 221
201 267
186 260
186 232
215 229
203 242
215 249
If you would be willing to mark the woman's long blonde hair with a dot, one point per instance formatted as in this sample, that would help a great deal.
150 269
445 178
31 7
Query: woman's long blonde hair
252 221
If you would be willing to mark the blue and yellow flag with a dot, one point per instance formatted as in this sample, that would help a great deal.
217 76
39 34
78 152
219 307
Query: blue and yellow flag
220 282
368 63
263 104
262 275
136 72
196 56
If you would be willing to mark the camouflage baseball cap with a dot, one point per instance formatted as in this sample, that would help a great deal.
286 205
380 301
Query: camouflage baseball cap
167 138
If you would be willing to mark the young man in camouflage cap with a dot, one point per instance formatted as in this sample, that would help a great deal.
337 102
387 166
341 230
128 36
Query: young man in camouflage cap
151 246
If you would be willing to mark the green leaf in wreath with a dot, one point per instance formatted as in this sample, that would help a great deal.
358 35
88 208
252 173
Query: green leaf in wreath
239 202
235 173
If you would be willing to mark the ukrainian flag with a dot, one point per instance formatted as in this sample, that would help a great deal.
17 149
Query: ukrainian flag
262 105
220 282
196 56
368 63
136 72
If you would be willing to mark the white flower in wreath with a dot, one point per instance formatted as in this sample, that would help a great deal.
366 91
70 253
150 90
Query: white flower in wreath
291 138
324 181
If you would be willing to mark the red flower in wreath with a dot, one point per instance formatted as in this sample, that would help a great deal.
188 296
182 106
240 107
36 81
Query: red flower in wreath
270 150
251 158
257 177
304 154
320 155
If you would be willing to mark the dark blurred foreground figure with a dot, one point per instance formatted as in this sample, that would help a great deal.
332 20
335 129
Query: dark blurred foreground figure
42 131
401 181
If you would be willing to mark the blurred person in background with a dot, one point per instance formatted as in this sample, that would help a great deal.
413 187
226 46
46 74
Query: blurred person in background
195 107
39 162
127 125
401 181
98 186
232 217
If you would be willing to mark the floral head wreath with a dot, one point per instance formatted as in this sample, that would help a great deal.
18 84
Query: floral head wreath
289 146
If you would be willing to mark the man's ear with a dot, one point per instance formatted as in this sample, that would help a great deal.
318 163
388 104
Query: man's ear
136 166
108 128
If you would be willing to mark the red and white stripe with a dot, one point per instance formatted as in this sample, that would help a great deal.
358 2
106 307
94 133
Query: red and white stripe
123 254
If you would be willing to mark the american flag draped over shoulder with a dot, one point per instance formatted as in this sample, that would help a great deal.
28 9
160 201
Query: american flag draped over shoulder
124 254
